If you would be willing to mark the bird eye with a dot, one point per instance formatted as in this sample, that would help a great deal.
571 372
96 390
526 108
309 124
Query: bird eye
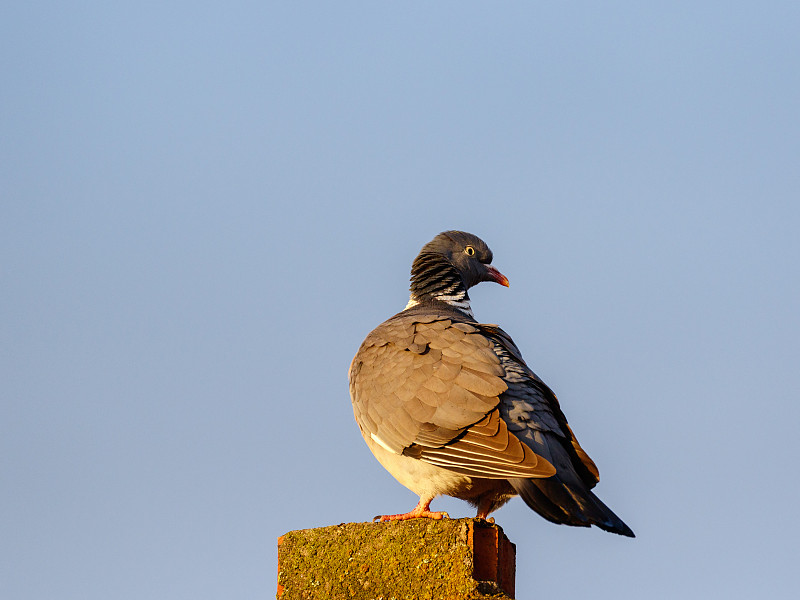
470 251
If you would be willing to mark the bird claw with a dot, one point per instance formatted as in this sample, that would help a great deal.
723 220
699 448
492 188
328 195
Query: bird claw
414 514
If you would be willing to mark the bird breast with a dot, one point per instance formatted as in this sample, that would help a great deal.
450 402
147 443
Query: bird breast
428 480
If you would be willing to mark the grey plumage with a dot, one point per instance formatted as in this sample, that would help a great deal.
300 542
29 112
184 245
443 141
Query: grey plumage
448 405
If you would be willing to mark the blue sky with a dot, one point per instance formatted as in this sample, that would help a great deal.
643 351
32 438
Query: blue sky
204 208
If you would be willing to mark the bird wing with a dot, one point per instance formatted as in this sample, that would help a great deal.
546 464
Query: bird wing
532 411
429 386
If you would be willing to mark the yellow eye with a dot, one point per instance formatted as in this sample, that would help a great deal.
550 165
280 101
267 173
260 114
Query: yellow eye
470 251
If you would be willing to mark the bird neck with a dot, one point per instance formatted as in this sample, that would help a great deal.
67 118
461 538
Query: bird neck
434 278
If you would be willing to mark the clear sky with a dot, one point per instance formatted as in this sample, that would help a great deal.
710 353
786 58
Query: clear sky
205 207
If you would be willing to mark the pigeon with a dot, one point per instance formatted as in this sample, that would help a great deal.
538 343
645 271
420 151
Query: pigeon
449 407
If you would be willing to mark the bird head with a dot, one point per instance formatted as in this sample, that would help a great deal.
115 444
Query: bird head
451 263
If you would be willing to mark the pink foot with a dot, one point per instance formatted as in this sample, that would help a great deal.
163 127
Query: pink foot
414 514
420 511
483 511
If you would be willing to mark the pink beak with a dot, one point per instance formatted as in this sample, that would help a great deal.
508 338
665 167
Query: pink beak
497 276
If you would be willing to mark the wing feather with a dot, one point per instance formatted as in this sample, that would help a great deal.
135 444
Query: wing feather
430 388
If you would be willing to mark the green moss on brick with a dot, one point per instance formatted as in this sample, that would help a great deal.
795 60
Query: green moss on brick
409 560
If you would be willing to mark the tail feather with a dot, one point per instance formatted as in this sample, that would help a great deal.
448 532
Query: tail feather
556 489
538 500
546 497
565 497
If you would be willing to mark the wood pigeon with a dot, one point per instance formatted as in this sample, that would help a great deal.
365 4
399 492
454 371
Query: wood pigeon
448 406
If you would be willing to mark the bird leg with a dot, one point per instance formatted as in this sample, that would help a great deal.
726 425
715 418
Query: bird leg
420 511
486 506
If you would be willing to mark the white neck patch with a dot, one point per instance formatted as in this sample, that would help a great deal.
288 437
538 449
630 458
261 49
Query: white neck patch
458 302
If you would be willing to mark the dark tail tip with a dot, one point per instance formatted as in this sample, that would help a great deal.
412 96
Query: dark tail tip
560 503
617 526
